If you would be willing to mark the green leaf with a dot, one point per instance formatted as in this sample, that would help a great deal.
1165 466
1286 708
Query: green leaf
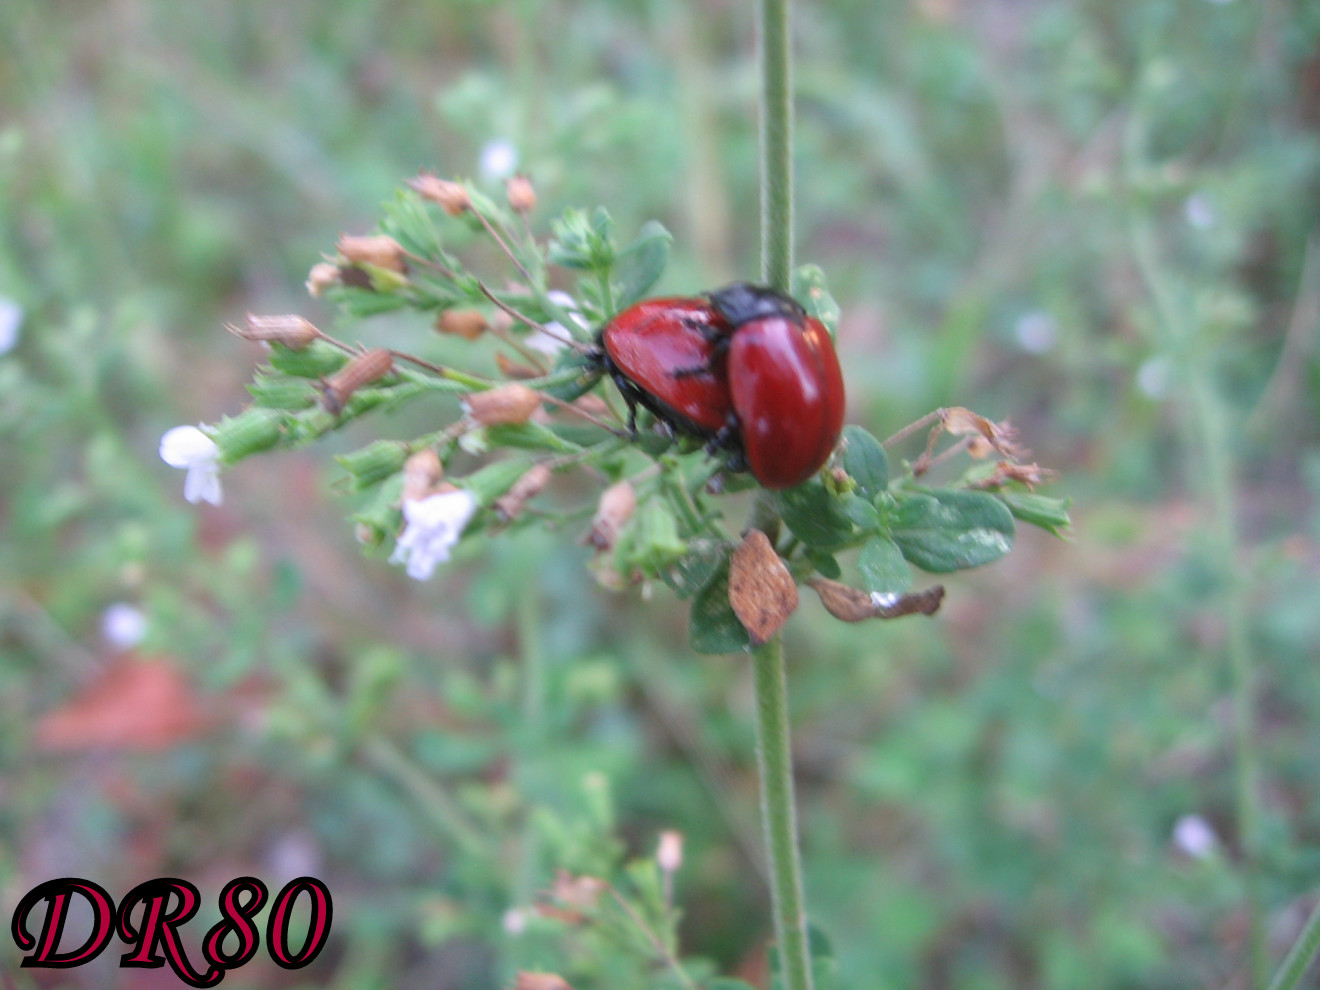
814 516
951 530
529 436
640 264
810 289
314 361
360 302
728 983
1050 514
865 461
825 564
883 566
864 515
698 566
712 626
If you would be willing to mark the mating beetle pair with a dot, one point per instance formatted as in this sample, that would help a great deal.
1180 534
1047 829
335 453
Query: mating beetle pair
744 368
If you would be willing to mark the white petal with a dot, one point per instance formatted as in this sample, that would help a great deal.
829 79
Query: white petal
123 625
11 319
202 484
498 159
185 446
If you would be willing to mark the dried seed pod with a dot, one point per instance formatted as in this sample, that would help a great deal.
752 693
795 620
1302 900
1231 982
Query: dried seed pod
511 403
451 196
291 331
617 505
365 368
854 605
762 592
379 250
539 981
322 276
509 506
466 323
522 197
512 369
421 471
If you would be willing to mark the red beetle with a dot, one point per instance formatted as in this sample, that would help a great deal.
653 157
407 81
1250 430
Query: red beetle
667 355
744 368
785 383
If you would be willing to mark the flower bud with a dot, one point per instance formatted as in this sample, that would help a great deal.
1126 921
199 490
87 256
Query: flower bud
379 250
322 276
512 403
373 463
292 331
522 197
452 196
466 323
669 854
539 981
510 505
421 472
367 367
512 369
250 432
655 543
617 505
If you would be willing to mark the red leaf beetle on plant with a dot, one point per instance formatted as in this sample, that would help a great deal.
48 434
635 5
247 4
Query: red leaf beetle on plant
744 368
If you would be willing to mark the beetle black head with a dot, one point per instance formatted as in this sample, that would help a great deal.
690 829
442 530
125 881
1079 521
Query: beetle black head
743 302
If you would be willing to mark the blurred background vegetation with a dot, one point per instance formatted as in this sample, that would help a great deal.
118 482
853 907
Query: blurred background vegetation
1097 218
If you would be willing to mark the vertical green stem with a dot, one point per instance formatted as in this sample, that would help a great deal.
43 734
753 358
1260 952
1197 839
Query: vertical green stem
776 144
1208 434
773 753
1300 955
775 761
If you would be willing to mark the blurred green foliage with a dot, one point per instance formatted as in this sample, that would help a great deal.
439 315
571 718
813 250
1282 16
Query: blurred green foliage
1000 194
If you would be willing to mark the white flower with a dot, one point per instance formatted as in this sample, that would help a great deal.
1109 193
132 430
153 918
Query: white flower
1035 332
556 340
189 448
434 525
1195 836
499 158
1199 211
123 625
1154 377
11 319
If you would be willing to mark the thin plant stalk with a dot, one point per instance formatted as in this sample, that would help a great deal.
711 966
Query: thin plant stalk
1300 955
774 761
776 137
773 750
1209 436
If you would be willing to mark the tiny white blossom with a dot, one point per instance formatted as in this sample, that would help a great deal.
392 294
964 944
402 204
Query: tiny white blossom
499 159
555 341
189 448
434 525
11 320
1199 211
123 625
1035 332
1154 377
514 921
1195 836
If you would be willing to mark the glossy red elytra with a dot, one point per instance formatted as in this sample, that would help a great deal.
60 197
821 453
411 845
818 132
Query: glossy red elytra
785 383
744 368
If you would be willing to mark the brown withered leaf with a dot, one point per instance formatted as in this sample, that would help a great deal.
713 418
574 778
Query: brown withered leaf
1005 472
986 434
761 589
854 605
133 704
